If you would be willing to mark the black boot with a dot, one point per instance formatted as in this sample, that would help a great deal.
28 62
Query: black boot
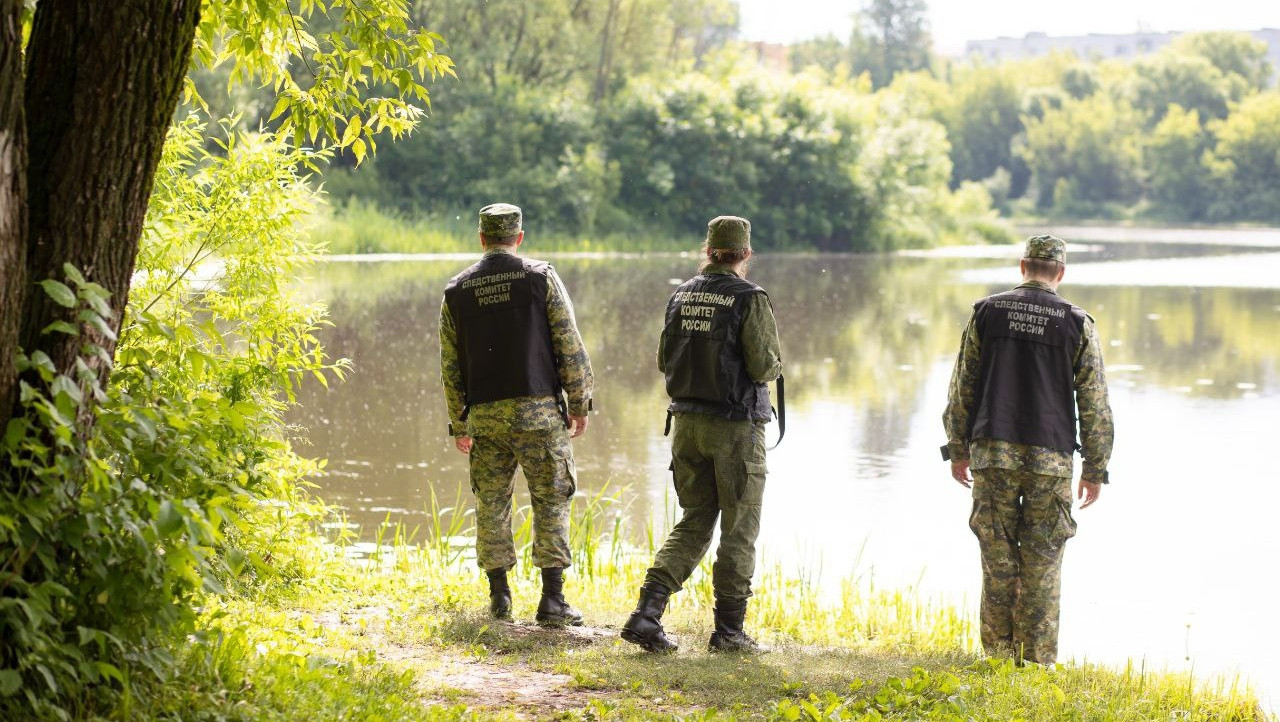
644 626
553 610
499 595
729 636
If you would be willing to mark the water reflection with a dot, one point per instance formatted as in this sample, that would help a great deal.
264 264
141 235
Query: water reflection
857 487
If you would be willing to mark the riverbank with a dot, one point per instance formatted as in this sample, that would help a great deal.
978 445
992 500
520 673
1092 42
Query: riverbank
402 635
357 229
1084 232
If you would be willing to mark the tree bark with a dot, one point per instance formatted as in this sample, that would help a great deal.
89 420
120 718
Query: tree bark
606 52
13 215
102 83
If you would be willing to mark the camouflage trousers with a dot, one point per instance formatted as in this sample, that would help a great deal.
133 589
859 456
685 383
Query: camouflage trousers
719 469
546 457
1022 521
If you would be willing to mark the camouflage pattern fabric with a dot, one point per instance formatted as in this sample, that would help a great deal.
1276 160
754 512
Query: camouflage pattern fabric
719 471
500 220
1022 521
1048 247
546 457
1022 501
1096 426
525 413
528 431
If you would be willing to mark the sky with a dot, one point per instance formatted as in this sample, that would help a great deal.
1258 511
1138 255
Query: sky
952 22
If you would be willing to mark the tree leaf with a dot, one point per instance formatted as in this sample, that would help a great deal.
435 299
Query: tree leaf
169 520
59 292
61 327
10 682
73 274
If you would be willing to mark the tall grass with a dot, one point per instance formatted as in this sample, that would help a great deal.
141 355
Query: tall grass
317 646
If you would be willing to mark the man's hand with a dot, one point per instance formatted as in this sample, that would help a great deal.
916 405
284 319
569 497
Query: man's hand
1089 492
577 426
960 472
463 443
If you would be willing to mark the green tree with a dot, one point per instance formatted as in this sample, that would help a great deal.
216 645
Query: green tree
1245 162
1192 82
1174 160
1231 53
983 118
558 42
120 502
827 52
889 37
1084 156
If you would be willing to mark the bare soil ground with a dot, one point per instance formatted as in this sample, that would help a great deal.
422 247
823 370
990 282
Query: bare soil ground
492 683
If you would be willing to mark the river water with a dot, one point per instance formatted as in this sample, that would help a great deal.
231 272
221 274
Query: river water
1175 565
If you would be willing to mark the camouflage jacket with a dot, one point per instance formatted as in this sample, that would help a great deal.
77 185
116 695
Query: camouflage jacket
1090 382
525 413
761 349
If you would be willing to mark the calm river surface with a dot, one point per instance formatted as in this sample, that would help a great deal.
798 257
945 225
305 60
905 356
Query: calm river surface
1176 564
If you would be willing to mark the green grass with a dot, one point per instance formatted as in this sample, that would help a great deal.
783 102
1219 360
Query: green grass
362 228
404 636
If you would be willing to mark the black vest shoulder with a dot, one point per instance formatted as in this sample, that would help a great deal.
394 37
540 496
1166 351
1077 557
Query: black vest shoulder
499 309
702 350
1026 390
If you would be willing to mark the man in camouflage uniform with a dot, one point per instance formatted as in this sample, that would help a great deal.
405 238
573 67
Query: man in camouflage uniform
509 347
1028 361
719 347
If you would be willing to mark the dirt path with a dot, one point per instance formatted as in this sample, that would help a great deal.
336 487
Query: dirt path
483 683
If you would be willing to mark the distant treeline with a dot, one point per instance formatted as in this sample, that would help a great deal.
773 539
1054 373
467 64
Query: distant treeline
644 118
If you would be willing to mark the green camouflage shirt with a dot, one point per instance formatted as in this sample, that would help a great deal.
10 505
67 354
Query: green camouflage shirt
524 413
761 349
1096 429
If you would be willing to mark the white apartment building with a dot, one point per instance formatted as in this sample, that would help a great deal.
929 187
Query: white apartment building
1096 45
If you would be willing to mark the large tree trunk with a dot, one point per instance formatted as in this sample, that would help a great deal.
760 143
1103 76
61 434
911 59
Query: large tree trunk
13 215
102 82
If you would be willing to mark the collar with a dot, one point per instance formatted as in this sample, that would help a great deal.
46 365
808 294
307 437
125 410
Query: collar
493 250
1038 285
720 269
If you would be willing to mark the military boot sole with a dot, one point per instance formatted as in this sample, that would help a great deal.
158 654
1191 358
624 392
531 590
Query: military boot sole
724 646
660 646
558 622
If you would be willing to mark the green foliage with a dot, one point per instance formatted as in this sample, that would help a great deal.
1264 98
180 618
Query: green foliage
1084 156
890 37
1246 160
1189 81
69 530
131 500
390 636
587 43
1232 54
1174 161
996 689
983 118
362 65
813 161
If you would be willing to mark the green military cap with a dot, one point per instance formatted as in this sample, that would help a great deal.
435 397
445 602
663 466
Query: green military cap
1048 247
500 220
729 232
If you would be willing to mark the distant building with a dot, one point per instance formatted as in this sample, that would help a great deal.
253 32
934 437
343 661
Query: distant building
773 56
1095 45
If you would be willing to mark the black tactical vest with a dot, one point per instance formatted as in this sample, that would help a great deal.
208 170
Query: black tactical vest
499 309
1026 391
702 350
